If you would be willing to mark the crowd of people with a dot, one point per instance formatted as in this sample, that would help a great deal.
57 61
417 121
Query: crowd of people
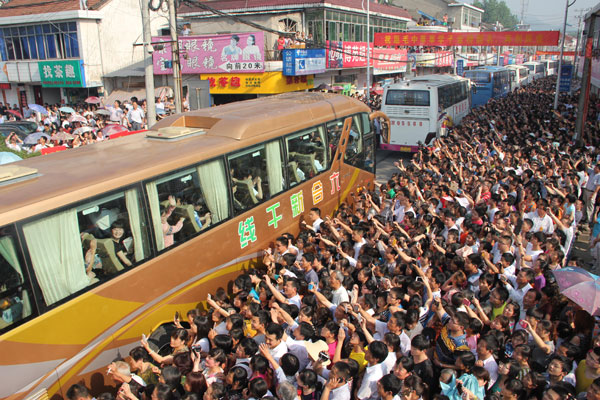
79 125
437 284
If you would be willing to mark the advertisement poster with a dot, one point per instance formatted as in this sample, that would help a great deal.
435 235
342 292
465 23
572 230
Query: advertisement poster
231 53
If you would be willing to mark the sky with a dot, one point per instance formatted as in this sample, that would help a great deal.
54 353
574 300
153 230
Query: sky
549 14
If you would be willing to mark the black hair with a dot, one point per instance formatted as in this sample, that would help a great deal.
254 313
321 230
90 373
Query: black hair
378 350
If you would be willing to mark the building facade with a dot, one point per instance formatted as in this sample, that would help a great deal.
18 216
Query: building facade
53 56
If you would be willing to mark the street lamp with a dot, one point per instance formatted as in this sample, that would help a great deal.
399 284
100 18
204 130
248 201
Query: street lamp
562 48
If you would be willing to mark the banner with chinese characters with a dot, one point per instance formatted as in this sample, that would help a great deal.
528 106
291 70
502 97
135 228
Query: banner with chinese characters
62 74
389 61
354 54
510 38
265 83
239 53
444 59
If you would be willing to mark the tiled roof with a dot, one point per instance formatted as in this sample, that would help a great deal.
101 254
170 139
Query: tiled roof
230 5
31 7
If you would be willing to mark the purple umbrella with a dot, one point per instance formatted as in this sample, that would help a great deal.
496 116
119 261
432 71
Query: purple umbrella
581 286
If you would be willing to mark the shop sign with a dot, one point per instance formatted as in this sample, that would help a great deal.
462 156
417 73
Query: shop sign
62 74
354 55
444 59
389 61
265 83
303 61
509 38
239 53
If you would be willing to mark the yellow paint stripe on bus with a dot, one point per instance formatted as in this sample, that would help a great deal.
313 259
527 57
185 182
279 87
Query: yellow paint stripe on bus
86 310
99 348
351 183
177 307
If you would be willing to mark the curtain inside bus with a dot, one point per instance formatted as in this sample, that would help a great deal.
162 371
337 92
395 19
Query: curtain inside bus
155 214
274 171
133 209
57 256
213 184
9 253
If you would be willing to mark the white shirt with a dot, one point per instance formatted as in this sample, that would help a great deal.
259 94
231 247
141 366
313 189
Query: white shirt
341 393
340 295
368 387
541 224
279 351
518 294
491 366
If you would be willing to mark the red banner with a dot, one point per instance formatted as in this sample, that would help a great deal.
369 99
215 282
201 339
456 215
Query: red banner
514 38
354 54
443 59
555 53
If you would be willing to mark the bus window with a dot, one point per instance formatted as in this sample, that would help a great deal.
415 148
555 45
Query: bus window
187 202
354 149
257 175
478 76
407 98
369 139
14 296
77 247
306 154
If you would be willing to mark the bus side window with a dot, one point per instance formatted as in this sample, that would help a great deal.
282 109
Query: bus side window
79 246
306 154
354 149
15 303
369 139
334 132
257 174
187 202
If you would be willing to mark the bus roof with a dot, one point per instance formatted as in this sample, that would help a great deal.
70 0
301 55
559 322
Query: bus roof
426 80
69 176
532 63
492 68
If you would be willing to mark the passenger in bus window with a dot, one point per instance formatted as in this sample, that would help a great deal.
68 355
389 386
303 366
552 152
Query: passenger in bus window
117 231
92 260
203 221
170 230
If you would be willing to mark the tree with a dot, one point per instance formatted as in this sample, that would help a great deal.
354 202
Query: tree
495 10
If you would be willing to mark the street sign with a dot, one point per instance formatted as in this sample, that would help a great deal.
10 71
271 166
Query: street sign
303 61
566 74
460 67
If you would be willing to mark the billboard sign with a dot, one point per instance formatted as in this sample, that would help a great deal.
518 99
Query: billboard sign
298 62
231 53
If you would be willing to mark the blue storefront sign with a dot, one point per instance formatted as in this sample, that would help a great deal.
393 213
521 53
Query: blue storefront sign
566 73
460 67
303 61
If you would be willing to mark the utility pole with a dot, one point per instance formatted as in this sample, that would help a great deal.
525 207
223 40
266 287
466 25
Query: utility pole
560 57
176 62
584 93
148 50
369 50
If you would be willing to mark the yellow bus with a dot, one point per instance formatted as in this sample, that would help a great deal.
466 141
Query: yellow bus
101 244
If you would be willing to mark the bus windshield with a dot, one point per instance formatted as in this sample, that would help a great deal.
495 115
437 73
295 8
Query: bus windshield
407 98
478 76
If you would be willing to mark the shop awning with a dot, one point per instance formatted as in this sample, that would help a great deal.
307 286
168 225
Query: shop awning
429 17
140 93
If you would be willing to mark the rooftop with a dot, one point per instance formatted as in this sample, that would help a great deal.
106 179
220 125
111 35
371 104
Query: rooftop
32 7
237 6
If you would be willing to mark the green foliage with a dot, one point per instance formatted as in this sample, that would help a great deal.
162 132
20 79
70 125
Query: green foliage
497 11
